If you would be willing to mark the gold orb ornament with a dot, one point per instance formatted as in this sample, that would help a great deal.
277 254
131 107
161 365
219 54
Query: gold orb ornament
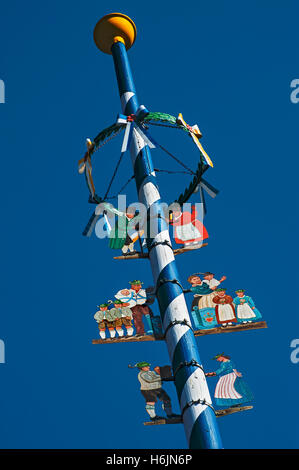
112 28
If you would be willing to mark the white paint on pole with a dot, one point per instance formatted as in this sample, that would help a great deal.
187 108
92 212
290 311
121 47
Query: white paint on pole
195 388
137 144
190 416
148 194
161 257
125 98
177 308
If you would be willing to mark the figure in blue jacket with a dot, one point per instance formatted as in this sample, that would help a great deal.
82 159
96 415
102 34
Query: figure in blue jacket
231 389
246 310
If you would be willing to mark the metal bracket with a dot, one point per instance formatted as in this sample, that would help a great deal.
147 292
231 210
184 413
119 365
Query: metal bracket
197 402
177 322
165 242
164 281
193 362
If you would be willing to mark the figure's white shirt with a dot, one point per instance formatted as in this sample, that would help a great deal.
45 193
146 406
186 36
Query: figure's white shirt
134 298
212 282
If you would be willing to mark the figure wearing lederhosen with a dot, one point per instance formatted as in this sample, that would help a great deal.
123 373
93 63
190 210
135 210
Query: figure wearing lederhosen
122 316
152 391
103 322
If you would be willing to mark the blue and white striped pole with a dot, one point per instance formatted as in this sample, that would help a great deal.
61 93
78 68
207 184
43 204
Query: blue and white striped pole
112 35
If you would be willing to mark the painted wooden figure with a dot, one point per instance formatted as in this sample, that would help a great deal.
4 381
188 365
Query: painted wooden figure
126 230
152 391
136 298
188 230
122 315
103 322
231 389
224 308
205 289
203 307
245 308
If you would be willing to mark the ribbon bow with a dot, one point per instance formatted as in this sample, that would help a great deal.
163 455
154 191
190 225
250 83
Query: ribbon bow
132 124
85 166
195 133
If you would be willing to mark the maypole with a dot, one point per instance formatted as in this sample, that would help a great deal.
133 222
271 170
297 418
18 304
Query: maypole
115 34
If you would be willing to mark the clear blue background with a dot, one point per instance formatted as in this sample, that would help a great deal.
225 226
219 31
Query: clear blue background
226 66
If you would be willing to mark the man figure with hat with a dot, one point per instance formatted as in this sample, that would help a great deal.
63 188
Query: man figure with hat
204 290
225 311
136 299
151 389
103 322
126 230
246 310
122 315
208 278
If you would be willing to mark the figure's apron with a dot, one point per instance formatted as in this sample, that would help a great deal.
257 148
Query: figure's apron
187 232
225 387
244 311
225 313
206 301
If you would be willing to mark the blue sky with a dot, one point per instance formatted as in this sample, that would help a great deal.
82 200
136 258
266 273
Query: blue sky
226 66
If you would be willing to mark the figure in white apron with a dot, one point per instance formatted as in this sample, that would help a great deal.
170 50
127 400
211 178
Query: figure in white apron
206 301
245 308
224 309
188 229
231 389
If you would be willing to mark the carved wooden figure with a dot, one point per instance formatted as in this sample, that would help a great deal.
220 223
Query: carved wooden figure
245 308
231 389
136 298
152 391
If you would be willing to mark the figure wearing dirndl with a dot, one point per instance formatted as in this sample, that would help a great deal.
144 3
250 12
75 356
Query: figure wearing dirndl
231 389
245 308
188 229
224 309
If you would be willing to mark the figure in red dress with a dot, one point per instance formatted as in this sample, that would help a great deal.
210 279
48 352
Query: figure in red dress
188 229
224 309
